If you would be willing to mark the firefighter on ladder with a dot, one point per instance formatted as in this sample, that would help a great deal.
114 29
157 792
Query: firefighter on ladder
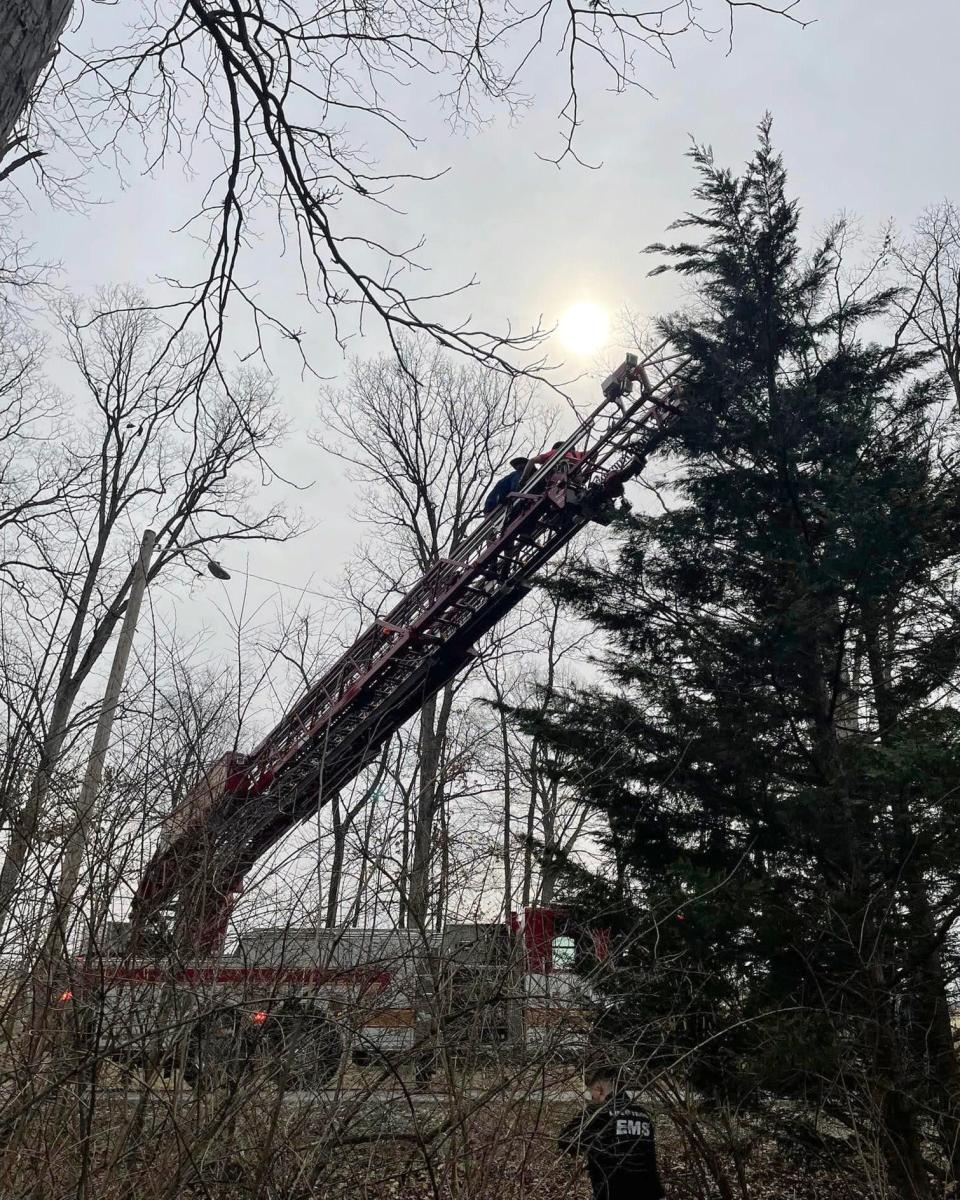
523 468
502 489
570 455
498 501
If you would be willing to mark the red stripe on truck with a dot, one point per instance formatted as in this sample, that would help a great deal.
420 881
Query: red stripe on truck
257 975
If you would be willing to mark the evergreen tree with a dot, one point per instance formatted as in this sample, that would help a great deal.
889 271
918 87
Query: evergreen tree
774 749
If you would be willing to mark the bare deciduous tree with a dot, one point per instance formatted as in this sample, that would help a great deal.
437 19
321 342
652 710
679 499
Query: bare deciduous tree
930 304
283 96
424 438
151 443
523 670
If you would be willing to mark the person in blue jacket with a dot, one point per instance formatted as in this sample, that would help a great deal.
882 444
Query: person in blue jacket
503 487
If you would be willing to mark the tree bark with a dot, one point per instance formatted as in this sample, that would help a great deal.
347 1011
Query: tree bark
855 905
549 869
336 866
90 788
443 878
404 889
507 820
434 721
527 891
74 670
930 978
30 35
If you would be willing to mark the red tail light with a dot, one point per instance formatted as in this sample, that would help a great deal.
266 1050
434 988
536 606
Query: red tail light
258 1017
65 997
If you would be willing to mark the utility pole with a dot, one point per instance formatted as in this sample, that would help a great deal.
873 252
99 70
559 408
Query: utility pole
93 776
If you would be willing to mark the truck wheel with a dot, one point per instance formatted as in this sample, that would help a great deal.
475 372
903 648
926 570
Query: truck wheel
215 1053
309 1048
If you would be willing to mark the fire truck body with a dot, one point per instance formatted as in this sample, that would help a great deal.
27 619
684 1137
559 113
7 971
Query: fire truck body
319 997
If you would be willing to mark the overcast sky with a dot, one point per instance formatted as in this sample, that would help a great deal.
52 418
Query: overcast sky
865 104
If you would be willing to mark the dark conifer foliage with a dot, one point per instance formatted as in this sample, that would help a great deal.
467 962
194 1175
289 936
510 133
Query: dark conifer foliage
773 751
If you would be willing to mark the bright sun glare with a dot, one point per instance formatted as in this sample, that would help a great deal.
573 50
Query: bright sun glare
584 328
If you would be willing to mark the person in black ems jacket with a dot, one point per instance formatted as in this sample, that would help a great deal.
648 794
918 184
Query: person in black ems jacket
616 1137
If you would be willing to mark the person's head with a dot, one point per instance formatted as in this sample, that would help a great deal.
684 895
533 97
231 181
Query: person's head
558 445
518 463
602 1081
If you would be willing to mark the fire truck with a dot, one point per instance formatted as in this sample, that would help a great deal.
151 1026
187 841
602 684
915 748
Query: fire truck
166 983
305 1002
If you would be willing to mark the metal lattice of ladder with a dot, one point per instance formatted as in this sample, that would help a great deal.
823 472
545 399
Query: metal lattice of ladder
336 728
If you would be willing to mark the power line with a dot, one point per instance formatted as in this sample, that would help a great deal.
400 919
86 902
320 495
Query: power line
296 587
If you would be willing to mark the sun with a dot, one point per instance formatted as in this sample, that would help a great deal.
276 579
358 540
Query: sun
584 328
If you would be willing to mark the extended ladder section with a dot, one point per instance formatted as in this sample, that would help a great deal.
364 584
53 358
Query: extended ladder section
239 812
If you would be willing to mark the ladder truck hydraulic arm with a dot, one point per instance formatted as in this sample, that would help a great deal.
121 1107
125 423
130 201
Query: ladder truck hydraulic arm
248 802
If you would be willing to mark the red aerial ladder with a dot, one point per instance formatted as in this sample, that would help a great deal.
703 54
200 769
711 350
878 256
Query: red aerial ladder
248 802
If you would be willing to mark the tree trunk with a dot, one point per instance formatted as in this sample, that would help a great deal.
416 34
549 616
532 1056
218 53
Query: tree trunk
507 820
74 671
929 978
404 889
443 880
30 35
76 843
336 867
25 823
549 868
854 904
434 720
538 792
527 891
900 1138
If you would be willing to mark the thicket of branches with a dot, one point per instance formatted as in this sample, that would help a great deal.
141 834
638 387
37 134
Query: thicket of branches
280 108
769 786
